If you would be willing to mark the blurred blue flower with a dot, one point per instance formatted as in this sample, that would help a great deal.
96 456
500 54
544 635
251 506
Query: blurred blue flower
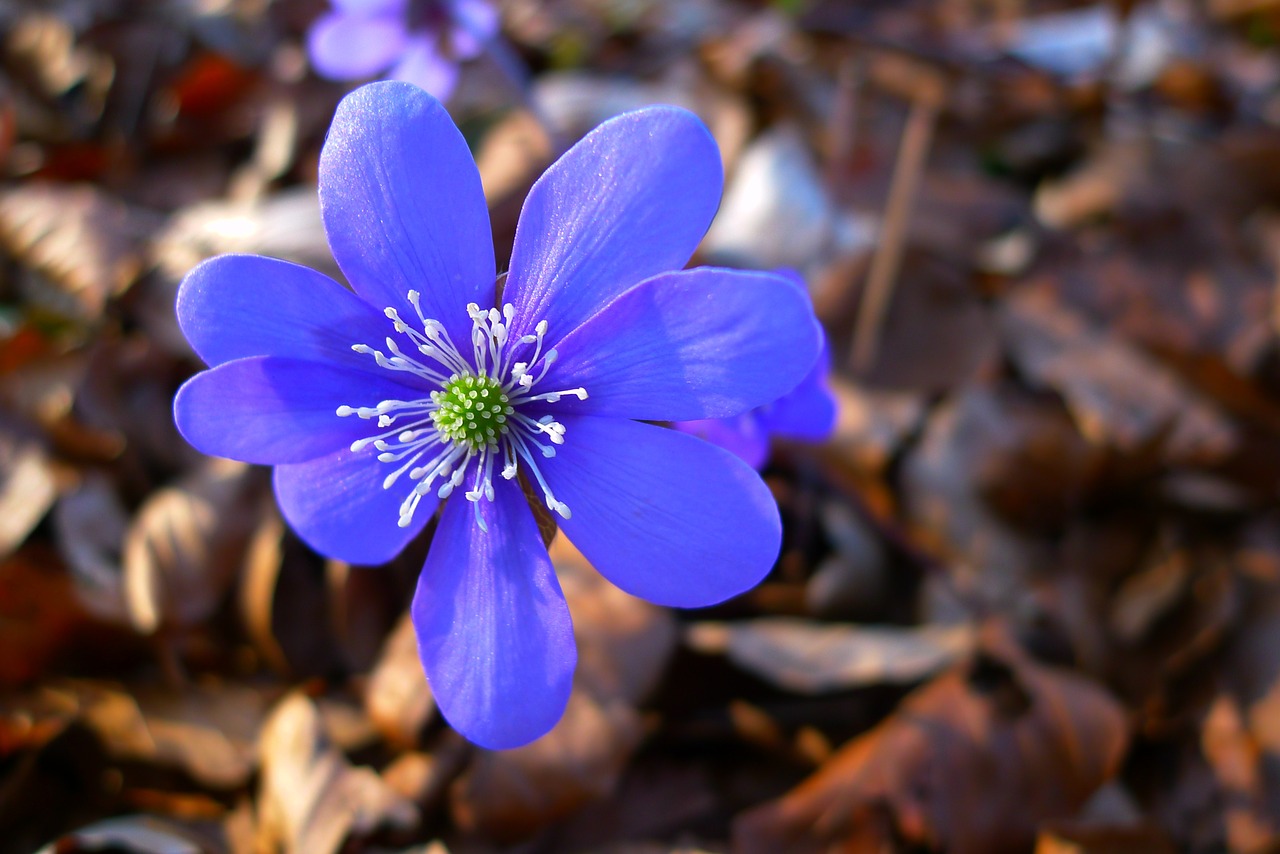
807 413
418 41
430 381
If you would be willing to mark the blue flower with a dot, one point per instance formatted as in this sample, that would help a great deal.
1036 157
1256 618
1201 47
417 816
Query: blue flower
418 41
807 413
432 382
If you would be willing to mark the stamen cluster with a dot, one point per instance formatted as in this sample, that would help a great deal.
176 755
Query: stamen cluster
472 414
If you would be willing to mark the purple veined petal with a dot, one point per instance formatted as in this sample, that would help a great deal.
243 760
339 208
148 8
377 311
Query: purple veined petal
424 67
808 411
270 410
493 628
338 506
235 306
702 343
475 22
369 8
403 207
630 200
741 436
664 516
351 47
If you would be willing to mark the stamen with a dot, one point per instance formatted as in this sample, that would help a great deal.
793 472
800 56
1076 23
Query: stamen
473 413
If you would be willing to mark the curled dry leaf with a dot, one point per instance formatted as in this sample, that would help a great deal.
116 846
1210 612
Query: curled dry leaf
940 493
398 699
284 225
83 242
810 658
623 646
90 524
206 730
185 545
312 800
134 834
972 763
27 487
1119 396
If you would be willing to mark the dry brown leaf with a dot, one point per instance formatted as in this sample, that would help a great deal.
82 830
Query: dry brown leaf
134 834
27 488
81 241
185 545
90 524
1119 396
972 763
510 794
207 730
1236 759
283 225
311 799
810 658
284 602
397 698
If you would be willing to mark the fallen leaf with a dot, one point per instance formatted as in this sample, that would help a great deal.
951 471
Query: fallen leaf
974 761
27 487
1118 396
90 524
83 243
311 800
1236 759
131 834
397 698
812 658
207 730
185 545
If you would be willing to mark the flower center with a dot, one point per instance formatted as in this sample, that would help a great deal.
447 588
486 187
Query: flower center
477 410
472 411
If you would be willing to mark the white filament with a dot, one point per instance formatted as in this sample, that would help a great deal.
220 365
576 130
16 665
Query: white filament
407 433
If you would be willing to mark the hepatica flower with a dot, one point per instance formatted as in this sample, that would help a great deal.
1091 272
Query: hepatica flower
418 41
807 413
431 383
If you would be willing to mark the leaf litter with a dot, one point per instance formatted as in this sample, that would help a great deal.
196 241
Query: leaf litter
1027 596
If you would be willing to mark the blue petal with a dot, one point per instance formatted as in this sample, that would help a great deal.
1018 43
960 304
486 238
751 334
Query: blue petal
403 207
424 67
349 47
493 628
339 508
630 200
703 343
235 306
664 516
475 22
808 412
270 410
369 8
741 436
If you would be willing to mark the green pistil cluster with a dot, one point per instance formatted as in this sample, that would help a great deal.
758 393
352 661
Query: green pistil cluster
471 411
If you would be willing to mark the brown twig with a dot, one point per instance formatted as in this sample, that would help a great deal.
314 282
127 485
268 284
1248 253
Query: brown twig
888 257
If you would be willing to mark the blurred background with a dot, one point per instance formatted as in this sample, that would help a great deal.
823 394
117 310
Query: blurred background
1029 592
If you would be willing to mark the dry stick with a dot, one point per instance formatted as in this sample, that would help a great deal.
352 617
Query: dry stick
884 266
